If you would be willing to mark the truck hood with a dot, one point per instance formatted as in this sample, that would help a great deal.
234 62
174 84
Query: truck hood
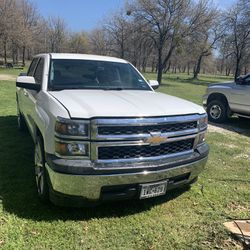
125 103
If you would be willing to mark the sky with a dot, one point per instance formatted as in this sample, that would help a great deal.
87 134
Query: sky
84 15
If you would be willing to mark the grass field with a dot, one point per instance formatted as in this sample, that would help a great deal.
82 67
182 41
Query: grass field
183 219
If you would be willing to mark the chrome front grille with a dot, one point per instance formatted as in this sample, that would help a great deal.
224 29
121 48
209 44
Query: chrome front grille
128 139
146 129
139 151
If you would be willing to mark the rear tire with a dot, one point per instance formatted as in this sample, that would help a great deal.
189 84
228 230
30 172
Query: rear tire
41 172
217 111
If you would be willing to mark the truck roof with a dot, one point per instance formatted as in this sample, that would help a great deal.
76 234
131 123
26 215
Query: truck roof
83 57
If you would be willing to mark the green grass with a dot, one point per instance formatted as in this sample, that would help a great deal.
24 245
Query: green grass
13 72
183 219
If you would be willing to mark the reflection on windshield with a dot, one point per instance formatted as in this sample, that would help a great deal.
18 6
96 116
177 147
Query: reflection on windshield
90 74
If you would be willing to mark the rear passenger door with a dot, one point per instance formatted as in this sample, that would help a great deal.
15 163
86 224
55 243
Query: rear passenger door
241 96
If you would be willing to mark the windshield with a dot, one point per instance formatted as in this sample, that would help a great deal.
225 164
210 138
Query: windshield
90 74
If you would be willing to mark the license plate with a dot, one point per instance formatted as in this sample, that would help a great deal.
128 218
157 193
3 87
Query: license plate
153 189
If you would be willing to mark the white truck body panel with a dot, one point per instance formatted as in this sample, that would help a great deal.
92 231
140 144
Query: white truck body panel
126 103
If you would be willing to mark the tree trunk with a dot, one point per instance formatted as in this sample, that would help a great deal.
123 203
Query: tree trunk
23 56
159 66
188 68
5 52
237 69
167 68
197 67
13 56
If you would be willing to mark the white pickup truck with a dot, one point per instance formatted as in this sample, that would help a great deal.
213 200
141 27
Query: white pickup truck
102 133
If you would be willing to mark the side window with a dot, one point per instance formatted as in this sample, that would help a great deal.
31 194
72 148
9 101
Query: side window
39 71
32 67
247 80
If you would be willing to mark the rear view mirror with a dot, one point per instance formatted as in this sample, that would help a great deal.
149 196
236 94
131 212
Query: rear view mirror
27 82
154 84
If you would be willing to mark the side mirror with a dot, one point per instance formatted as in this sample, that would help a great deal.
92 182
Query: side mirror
153 83
239 80
27 82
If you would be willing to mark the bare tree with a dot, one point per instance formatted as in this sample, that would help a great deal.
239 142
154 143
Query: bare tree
78 43
57 34
99 42
29 25
206 37
170 22
238 23
117 29
7 24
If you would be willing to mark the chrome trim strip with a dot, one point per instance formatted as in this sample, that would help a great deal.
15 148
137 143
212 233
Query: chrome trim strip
141 142
147 121
147 159
145 136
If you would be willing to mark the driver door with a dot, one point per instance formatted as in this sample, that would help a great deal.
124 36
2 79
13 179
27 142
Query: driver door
31 95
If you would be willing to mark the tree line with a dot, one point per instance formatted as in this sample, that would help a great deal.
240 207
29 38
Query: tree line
155 35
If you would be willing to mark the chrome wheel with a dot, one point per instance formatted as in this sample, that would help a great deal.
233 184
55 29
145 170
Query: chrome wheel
215 111
39 169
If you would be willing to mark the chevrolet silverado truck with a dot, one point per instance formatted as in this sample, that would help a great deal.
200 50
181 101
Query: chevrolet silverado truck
225 99
102 133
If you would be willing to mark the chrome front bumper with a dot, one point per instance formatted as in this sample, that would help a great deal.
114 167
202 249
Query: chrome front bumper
90 186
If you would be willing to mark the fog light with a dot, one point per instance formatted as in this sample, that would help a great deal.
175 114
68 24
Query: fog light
202 138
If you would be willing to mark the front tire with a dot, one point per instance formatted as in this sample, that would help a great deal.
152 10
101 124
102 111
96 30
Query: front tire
217 111
40 171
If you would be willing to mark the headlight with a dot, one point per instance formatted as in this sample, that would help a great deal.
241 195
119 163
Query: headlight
202 123
72 148
68 127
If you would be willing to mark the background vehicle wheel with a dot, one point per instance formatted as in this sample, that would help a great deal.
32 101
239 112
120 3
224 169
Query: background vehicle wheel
40 171
217 111
20 121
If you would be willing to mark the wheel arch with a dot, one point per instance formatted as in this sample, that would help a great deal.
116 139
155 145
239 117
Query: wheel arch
217 96
39 134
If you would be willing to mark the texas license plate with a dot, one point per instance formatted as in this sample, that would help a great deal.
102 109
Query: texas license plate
153 189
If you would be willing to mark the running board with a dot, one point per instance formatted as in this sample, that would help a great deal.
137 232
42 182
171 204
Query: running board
245 116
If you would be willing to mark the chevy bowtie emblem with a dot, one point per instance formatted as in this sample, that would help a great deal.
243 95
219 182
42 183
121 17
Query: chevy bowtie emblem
156 139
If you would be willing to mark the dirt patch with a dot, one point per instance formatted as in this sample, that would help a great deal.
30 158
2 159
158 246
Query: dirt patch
212 128
227 129
5 77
